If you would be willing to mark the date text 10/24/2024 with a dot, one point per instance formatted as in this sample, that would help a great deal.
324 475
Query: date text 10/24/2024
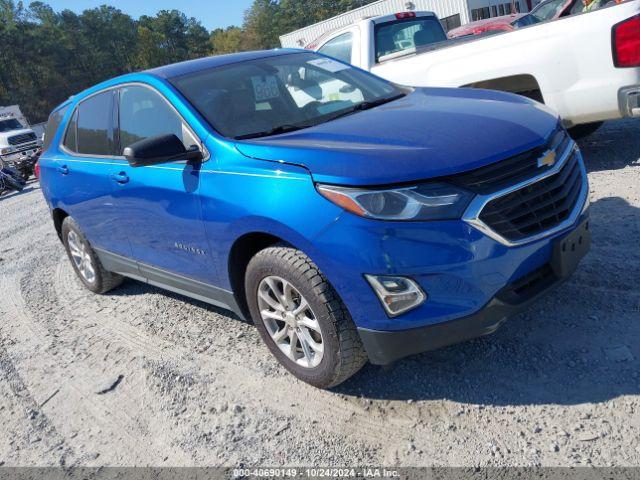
316 472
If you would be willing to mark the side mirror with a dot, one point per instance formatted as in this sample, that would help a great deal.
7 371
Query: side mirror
161 149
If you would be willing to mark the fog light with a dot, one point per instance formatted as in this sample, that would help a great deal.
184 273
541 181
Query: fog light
397 294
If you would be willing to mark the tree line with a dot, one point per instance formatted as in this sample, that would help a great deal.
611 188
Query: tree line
47 56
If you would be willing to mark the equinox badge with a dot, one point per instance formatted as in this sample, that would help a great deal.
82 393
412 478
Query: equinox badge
187 248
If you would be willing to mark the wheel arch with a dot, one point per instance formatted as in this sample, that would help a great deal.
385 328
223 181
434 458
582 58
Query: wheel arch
242 251
58 215
523 84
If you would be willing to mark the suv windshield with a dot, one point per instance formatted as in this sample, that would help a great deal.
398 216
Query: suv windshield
282 93
10 124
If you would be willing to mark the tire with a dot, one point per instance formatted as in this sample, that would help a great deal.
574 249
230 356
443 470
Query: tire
584 130
342 354
75 243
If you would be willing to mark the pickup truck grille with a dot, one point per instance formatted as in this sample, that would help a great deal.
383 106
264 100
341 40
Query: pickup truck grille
513 170
537 207
20 139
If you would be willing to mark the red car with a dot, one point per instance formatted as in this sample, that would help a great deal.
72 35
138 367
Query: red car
503 23
545 11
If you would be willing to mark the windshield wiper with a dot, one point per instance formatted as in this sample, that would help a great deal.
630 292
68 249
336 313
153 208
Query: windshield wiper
274 131
358 107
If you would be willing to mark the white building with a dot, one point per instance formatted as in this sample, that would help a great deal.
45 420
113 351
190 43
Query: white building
452 13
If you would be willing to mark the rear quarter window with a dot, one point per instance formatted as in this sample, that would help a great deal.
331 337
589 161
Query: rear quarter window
71 137
53 124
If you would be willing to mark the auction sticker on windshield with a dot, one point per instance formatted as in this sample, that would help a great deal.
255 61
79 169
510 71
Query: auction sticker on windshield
265 87
328 65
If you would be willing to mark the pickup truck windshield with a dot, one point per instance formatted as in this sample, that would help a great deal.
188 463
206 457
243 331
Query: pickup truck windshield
9 125
407 35
282 93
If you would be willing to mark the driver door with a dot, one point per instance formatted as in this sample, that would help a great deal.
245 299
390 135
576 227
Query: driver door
159 205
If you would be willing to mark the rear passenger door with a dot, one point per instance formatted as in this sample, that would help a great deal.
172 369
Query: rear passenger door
82 172
159 206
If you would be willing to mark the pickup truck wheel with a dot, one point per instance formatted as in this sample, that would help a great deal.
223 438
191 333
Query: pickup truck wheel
301 318
84 260
584 130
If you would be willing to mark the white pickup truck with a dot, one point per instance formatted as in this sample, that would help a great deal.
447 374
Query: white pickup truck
20 147
586 67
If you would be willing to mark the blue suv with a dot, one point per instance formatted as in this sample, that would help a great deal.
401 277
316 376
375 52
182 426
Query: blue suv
351 218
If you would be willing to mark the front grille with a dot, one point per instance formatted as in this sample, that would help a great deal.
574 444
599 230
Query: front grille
19 139
537 207
528 286
513 170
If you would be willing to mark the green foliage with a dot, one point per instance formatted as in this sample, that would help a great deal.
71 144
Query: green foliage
46 56
227 40
266 20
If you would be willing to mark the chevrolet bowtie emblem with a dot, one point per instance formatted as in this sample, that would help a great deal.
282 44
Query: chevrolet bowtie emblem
547 160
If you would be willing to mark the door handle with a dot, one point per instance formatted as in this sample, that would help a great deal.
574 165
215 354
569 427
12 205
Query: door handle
64 170
120 178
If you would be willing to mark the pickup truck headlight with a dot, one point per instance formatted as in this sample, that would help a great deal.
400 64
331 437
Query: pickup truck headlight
425 201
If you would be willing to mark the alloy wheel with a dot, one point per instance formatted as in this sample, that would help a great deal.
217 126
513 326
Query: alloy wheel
290 321
80 256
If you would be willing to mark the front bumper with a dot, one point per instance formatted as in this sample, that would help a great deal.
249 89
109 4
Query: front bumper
385 347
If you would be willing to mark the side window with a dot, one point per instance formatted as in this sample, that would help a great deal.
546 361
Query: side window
339 48
449 23
144 113
71 138
95 128
55 119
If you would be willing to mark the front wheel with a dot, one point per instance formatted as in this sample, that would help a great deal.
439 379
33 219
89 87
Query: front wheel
300 317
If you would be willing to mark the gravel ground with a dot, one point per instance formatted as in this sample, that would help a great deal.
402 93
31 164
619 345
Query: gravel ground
147 378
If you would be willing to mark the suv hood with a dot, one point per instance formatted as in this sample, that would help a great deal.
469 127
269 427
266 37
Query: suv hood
429 133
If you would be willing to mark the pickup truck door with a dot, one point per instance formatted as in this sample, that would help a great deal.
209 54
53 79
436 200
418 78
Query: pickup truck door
159 206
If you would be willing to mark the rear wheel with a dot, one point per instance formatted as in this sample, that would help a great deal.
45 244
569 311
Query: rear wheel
84 260
301 318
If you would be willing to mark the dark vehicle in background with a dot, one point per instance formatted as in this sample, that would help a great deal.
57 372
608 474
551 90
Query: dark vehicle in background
544 12
10 179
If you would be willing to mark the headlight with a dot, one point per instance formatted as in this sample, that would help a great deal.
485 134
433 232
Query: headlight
426 201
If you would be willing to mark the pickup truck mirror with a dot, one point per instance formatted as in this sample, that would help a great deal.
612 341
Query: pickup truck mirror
160 149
